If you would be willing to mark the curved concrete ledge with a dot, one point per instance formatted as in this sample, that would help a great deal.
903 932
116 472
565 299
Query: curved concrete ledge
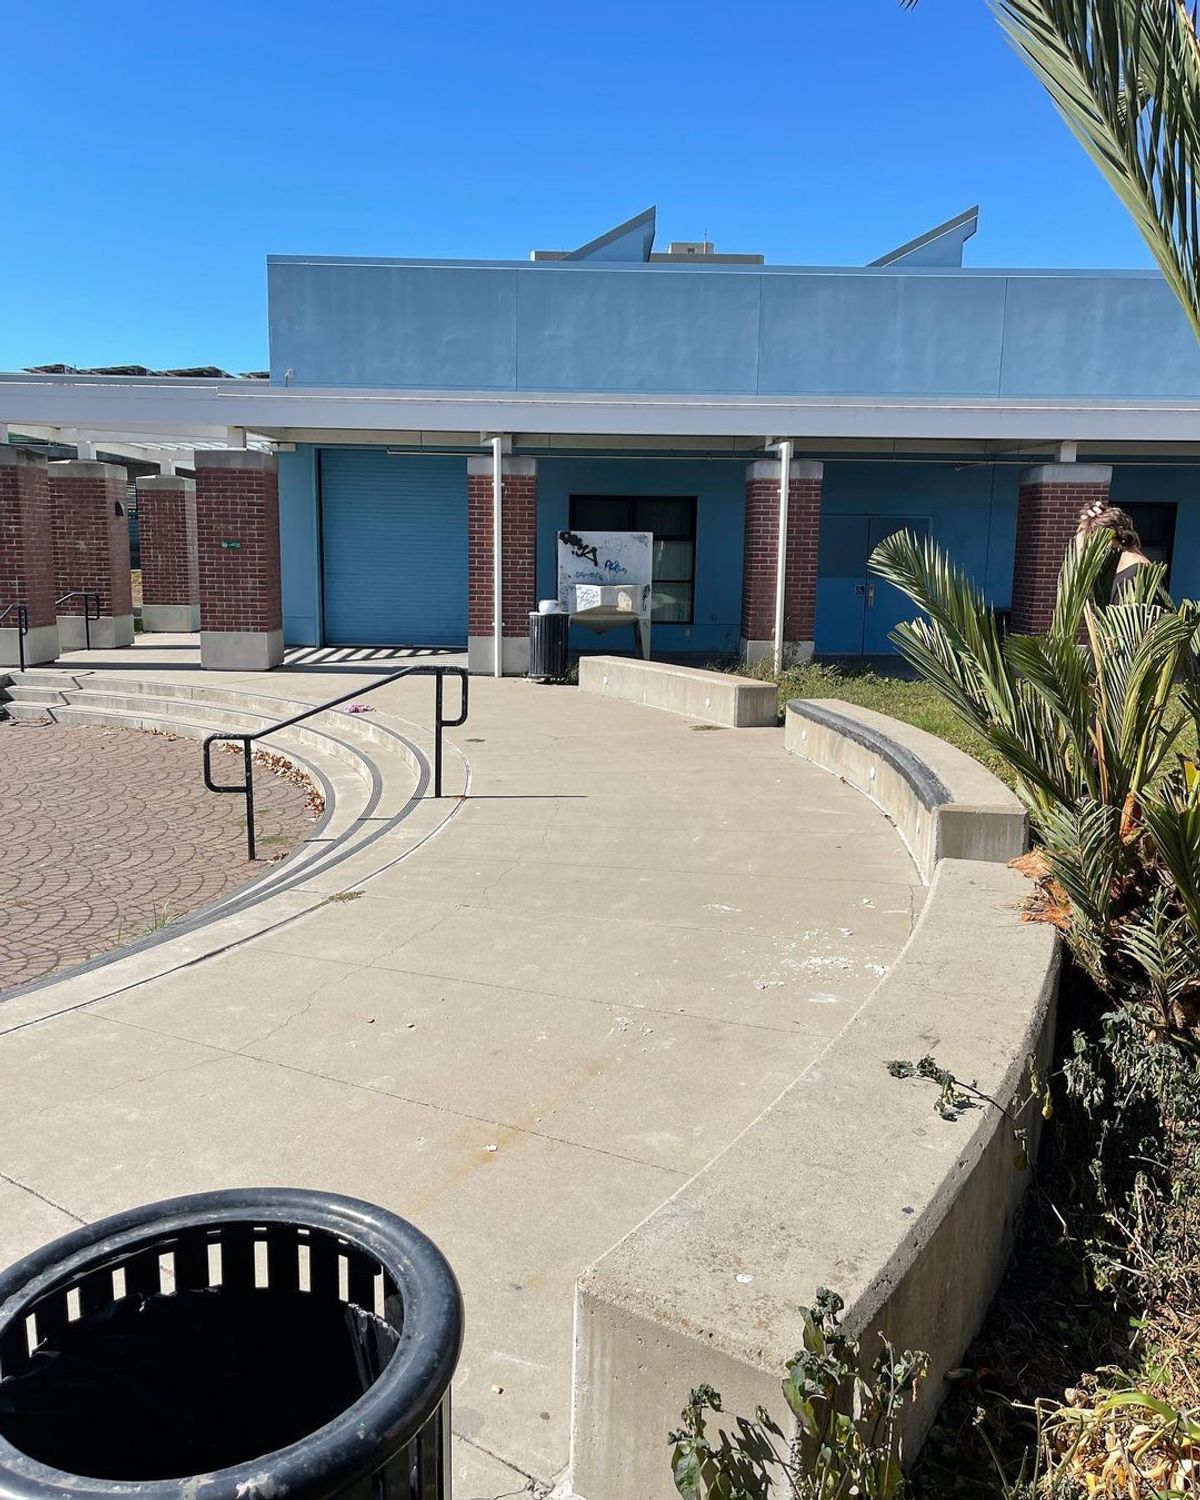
850 1180
944 804
715 697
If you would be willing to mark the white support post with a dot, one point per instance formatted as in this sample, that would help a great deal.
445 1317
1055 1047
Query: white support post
497 560
785 480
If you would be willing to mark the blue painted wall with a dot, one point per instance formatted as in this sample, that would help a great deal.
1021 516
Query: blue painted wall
719 487
300 547
972 514
1181 485
971 509
735 330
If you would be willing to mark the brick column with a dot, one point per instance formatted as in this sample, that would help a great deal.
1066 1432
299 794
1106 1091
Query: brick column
91 552
26 556
761 556
1051 497
170 564
237 543
518 560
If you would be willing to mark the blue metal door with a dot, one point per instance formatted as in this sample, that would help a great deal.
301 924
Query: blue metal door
855 608
886 605
394 548
841 585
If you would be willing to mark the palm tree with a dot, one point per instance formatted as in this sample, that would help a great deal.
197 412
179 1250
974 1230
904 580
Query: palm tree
1125 75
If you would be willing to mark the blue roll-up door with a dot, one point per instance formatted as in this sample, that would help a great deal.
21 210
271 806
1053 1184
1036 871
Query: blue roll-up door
394 539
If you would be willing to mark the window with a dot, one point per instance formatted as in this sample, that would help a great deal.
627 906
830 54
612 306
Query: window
672 519
1154 522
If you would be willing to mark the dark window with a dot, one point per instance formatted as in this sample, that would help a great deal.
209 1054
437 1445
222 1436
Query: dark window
672 519
1154 522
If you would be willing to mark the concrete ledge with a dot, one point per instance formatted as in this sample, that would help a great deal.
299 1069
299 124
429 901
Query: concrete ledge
240 650
165 484
108 633
178 618
234 458
1066 474
794 652
85 468
514 655
850 1180
41 644
715 697
944 804
20 458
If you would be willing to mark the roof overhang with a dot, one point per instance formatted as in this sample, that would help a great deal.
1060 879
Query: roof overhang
205 411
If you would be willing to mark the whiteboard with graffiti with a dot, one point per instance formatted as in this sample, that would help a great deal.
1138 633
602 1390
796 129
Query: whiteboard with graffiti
623 558
604 580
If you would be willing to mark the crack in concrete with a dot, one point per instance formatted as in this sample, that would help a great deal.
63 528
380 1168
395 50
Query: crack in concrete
539 1489
41 1197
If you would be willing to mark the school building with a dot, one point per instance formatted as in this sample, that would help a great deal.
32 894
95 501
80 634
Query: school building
420 417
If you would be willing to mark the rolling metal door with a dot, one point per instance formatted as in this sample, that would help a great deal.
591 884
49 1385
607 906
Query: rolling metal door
394 542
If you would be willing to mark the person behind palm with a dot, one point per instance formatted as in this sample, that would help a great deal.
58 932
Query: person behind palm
1118 523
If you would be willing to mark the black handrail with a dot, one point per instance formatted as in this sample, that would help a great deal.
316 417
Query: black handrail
246 740
88 617
22 628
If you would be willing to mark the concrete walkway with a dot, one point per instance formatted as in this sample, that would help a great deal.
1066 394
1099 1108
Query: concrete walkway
524 1035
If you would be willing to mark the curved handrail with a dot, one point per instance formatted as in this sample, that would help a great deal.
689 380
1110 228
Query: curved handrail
246 740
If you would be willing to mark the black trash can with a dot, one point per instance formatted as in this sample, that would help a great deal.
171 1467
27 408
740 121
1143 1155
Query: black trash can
548 646
240 1345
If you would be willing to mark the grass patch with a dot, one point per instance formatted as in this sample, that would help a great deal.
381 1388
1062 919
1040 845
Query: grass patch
904 698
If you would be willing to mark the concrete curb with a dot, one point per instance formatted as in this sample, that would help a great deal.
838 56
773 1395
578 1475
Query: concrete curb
944 804
714 697
850 1180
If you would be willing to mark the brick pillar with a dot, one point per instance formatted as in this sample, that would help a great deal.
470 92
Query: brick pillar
91 552
170 564
26 556
761 556
237 543
1051 497
518 560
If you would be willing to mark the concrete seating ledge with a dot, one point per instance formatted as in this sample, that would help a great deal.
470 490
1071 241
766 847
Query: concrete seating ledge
851 1181
715 697
945 805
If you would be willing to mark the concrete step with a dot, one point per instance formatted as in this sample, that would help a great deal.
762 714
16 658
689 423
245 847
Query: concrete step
250 709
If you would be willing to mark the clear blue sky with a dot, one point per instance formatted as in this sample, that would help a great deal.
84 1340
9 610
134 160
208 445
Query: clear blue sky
154 154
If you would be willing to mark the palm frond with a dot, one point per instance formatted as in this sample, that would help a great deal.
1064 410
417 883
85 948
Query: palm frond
1173 822
1125 76
1086 577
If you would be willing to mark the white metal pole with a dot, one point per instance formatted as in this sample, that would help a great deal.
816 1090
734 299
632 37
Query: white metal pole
497 560
785 480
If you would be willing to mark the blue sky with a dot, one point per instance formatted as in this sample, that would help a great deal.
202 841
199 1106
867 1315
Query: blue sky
154 154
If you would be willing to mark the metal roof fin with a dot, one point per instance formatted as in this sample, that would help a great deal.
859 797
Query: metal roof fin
939 246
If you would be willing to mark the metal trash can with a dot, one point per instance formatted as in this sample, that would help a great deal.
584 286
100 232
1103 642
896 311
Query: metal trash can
548 645
230 1346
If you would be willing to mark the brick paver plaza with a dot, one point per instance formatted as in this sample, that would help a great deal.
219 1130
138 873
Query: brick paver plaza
109 834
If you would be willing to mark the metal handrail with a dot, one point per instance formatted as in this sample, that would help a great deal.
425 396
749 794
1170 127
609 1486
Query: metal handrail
88 617
246 740
22 628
